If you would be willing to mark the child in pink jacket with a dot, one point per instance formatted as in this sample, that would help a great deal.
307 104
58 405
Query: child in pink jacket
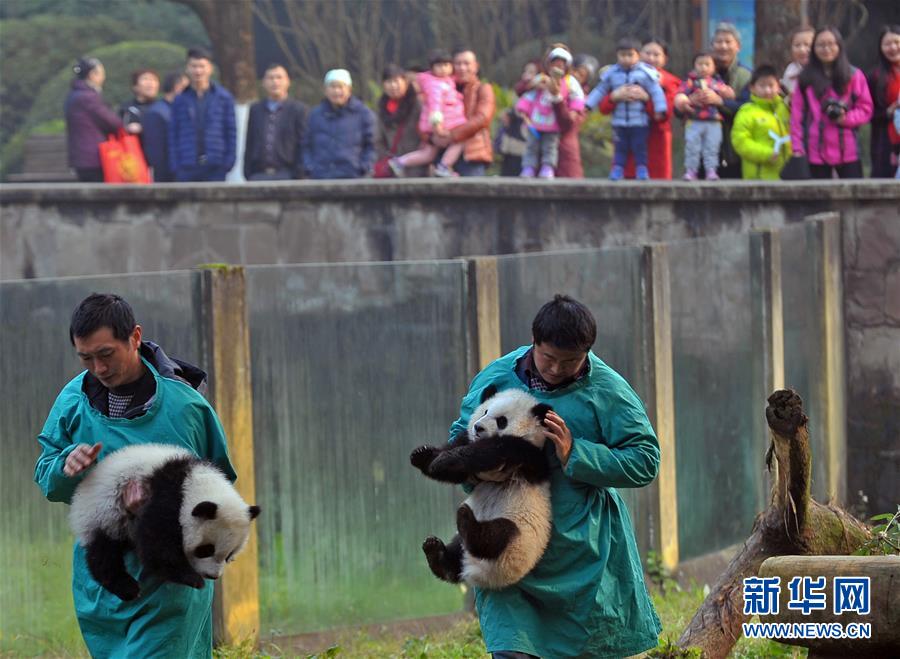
442 111
831 100
536 106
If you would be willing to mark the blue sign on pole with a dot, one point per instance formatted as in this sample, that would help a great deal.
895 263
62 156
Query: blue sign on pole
741 13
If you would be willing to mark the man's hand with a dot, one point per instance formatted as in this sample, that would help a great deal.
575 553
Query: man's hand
683 104
558 433
133 128
82 457
134 494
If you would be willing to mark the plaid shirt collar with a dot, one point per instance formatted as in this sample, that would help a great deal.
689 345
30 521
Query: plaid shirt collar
530 375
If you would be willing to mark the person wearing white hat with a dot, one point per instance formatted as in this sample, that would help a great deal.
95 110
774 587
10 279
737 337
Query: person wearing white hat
537 108
340 138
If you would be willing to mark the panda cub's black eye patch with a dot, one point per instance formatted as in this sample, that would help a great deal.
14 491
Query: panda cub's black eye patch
205 551
501 422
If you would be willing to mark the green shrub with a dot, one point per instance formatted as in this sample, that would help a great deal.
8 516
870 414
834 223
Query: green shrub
119 60
33 50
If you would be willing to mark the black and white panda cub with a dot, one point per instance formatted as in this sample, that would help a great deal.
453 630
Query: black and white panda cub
192 522
504 524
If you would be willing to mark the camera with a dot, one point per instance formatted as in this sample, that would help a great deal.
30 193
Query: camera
833 108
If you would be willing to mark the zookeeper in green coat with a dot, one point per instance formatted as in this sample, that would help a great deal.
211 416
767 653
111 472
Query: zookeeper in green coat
586 597
131 393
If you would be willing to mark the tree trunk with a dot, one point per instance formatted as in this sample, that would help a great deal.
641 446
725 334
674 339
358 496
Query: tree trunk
793 523
230 29
774 21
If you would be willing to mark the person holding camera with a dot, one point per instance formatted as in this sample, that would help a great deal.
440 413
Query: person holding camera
831 101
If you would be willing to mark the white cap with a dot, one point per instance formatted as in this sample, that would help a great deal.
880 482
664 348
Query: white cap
560 53
339 75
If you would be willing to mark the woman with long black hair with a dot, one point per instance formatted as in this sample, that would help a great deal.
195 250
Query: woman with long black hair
832 99
884 86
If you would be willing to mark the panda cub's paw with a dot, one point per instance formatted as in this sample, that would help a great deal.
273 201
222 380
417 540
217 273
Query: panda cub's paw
126 589
422 457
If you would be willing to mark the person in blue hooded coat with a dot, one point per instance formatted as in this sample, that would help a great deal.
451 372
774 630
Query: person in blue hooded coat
586 597
131 393
340 135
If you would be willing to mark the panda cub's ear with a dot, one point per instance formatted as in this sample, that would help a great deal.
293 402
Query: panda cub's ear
253 511
488 391
205 510
540 411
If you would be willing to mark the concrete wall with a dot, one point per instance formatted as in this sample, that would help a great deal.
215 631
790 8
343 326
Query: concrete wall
70 229
60 230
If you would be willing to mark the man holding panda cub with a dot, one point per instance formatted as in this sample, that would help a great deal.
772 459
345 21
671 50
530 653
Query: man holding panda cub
586 597
130 393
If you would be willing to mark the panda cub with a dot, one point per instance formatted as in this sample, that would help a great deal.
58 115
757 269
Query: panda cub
504 525
192 522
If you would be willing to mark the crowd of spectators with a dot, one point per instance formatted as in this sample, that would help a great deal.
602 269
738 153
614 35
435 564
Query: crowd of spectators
437 121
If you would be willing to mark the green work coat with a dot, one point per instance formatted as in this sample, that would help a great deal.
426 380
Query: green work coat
586 597
167 620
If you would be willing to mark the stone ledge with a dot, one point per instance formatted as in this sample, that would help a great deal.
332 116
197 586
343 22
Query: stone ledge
473 188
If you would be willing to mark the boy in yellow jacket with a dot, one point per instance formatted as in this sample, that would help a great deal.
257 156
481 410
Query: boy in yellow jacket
761 134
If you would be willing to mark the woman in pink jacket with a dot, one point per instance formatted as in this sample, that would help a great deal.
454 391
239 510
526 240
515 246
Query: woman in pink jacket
832 100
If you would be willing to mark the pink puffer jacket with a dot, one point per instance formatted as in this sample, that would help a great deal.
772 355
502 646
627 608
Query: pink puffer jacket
829 143
440 95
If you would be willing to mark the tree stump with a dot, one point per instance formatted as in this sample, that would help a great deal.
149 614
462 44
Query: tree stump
792 523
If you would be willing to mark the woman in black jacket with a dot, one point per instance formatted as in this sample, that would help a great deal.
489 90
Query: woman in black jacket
398 111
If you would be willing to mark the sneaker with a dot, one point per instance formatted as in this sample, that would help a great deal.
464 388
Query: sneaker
690 175
617 173
441 170
711 175
396 167
546 172
527 172
641 173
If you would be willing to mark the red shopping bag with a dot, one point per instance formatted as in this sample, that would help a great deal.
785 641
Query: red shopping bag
123 160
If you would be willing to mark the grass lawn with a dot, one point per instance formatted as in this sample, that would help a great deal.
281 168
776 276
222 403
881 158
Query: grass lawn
463 640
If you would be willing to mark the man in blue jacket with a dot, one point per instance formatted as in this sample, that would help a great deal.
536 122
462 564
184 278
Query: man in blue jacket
202 133
339 141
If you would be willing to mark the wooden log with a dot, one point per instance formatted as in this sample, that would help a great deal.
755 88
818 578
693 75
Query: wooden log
793 523
884 601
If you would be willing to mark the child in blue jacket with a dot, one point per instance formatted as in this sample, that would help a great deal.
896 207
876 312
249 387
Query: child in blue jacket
631 123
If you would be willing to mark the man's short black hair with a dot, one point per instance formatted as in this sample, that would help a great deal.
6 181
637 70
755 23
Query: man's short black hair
628 43
763 71
275 65
565 323
99 310
199 52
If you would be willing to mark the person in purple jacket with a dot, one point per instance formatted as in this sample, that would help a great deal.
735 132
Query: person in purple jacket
88 119
832 100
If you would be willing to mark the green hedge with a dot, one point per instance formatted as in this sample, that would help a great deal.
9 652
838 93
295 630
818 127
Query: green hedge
119 60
